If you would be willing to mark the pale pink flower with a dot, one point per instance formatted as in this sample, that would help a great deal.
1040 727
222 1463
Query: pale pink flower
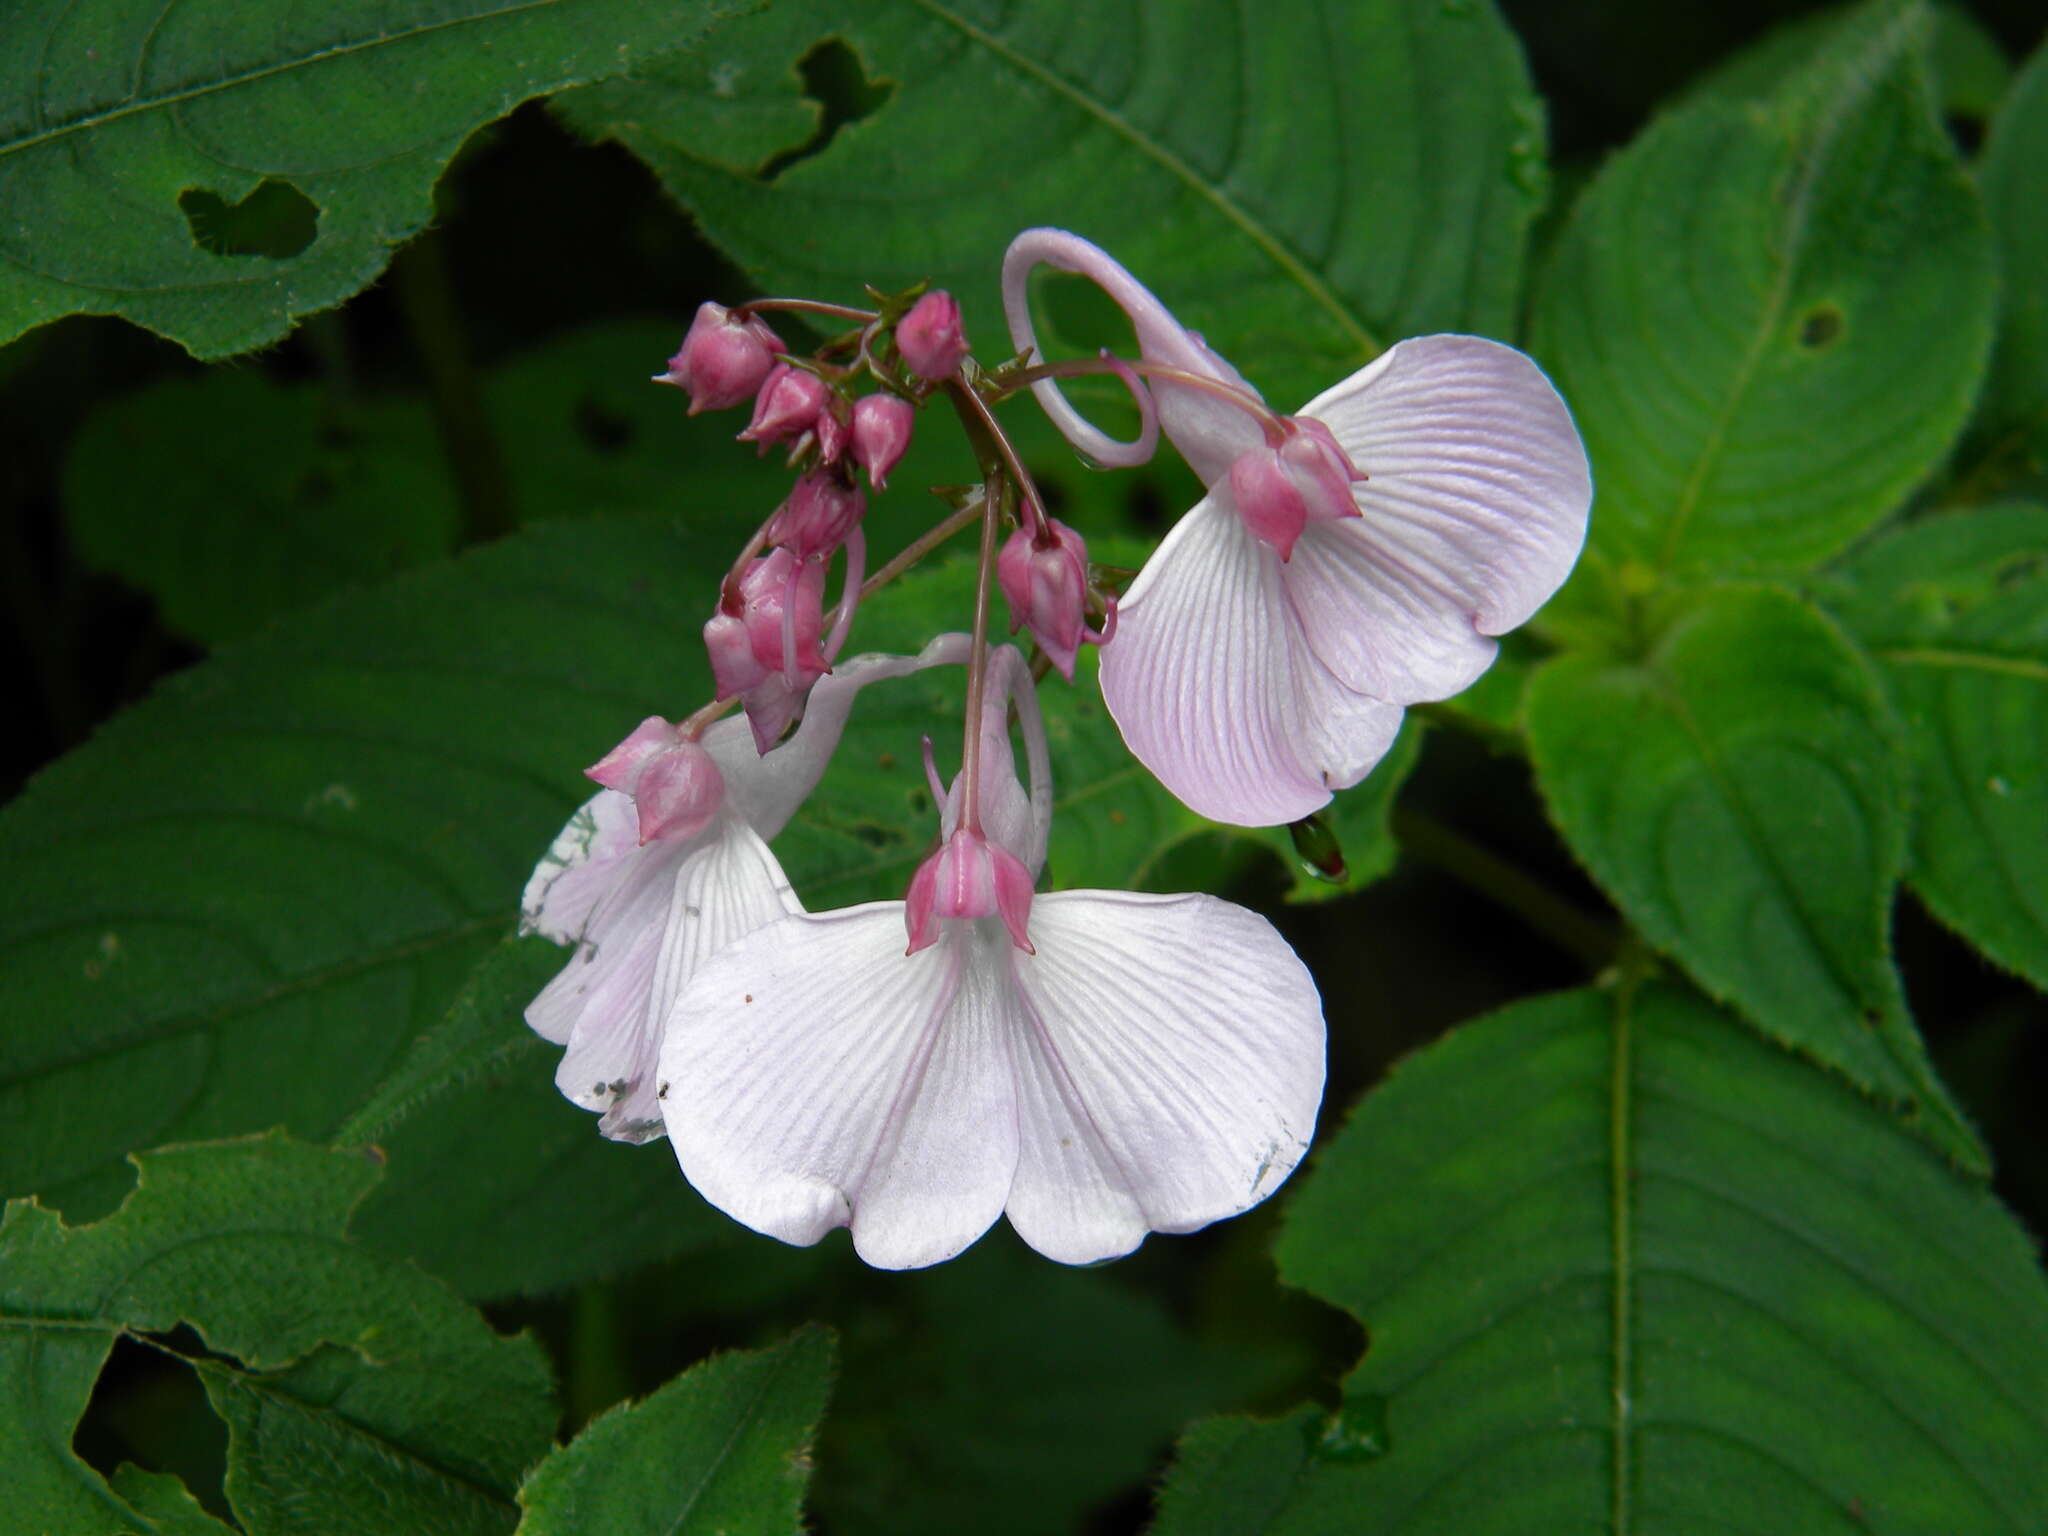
1150 1064
644 916
1259 664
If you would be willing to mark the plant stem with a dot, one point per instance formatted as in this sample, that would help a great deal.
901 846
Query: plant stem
1596 943
426 296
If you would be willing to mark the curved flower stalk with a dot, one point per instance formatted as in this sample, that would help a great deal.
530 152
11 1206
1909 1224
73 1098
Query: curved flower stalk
1265 652
1147 1064
644 916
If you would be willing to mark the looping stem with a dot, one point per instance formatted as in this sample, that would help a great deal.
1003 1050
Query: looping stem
1270 421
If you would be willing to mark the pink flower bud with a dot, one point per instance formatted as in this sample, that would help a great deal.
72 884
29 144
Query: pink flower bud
674 784
787 405
818 515
881 432
785 615
722 360
733 667
1047 585
929 336
968 877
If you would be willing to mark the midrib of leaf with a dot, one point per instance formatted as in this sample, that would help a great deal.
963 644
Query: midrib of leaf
1296 270
179 1023
1968 661
1792 235
135 107
1620 1177
741 1423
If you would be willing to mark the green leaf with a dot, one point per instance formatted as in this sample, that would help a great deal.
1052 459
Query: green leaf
725 1447
1955 609
2015 179
360 1396
1626 1267
214 171
1771 320
999 1394
232 500
1394 199
167 1503
1738 794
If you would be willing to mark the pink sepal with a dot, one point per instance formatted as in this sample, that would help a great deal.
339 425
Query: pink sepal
618 768
882 425
678 792
969 876
929 337
1268 499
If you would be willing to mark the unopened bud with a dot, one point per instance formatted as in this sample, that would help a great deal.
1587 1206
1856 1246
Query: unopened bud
1046 582
787 405
969 876
784 601
929 336
881 432
820 512
674 783
722 360
831 430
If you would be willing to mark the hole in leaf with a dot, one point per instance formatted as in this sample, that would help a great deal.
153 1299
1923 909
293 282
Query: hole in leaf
149 1409
275 220
834 79
603 428
1822 325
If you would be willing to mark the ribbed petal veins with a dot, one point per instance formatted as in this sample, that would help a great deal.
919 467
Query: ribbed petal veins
1200 674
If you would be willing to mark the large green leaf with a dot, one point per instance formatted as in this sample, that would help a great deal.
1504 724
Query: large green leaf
1302 194
1771 319
1007 1396
360 1396
1956 611
2015 177
1625 1267
725 1447
215 170
1739 794
233 500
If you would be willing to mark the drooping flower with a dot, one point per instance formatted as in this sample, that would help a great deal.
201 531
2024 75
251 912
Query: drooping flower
882 425
1150 1064
1045 579
1262 662
765 640
644 915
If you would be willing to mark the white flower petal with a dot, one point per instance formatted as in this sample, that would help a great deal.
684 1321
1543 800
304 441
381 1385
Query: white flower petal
1179 1047
579 867
1344 733
1474 514
1199 675
819 1077
727 885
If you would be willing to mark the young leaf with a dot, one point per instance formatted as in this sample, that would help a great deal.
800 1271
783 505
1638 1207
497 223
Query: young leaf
726 1446
1955 610
360 1396
1626 1267
1395 201
214 171
1738 794
2015 178
1770 321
